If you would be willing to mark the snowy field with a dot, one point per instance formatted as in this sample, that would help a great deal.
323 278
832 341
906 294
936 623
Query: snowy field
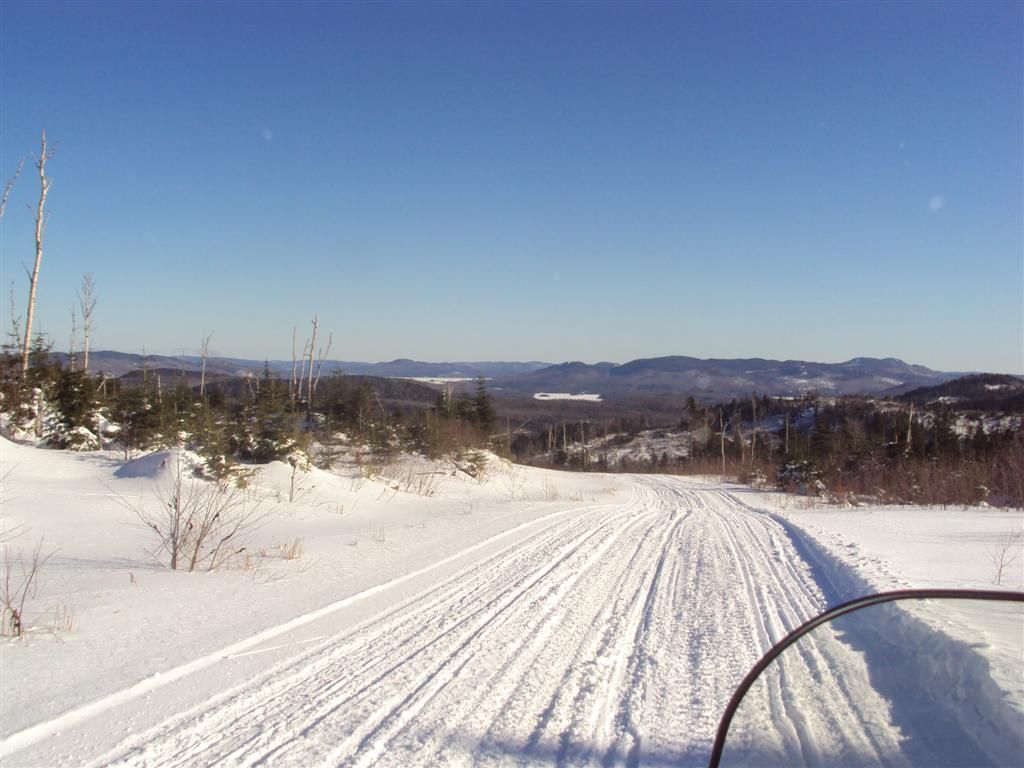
415 615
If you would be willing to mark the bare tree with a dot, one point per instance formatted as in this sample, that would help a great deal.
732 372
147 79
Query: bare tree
753 428
302 370
321 354
73 339
1005 552
292 390
738 418
41 218
312 360
204 351
8 187
87 302
16 589
312 347
721 428
15 334
910 430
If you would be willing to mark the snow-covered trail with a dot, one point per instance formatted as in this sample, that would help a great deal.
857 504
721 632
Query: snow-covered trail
612 637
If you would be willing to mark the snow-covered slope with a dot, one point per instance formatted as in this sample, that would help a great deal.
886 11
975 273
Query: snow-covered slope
431 618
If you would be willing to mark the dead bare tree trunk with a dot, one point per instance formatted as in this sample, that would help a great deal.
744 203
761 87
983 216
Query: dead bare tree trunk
41 217
73 340
302 369
292 392
320 363
312 347
87 301
910 433
15 334
204 351
753 428
721 427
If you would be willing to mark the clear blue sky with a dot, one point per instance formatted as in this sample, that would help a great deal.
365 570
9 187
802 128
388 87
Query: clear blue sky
554 181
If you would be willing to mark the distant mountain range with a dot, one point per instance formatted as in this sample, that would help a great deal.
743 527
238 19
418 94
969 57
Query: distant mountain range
120 363
717 379
703 378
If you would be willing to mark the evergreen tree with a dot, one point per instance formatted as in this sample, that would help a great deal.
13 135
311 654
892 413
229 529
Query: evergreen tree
75 400
135 413
484 414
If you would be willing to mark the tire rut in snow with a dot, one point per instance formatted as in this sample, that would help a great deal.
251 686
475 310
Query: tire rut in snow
286 705
613 637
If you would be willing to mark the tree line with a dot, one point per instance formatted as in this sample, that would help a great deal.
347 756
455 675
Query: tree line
253 419
846 448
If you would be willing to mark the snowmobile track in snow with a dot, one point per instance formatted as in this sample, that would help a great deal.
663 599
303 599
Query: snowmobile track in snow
614 635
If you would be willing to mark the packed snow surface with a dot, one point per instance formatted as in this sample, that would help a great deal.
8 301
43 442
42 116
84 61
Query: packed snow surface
514 617
592 398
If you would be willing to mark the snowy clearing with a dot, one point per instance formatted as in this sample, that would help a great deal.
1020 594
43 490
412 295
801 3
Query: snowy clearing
521 617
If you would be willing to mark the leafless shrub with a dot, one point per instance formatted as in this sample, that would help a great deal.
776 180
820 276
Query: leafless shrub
291 550
337 507
18 586
200 524
357 481
62 619
1005 552
550 492
513 485
470 505
9 534
419 483
257 562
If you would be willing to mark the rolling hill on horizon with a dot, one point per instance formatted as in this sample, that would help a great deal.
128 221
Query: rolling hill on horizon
677 374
